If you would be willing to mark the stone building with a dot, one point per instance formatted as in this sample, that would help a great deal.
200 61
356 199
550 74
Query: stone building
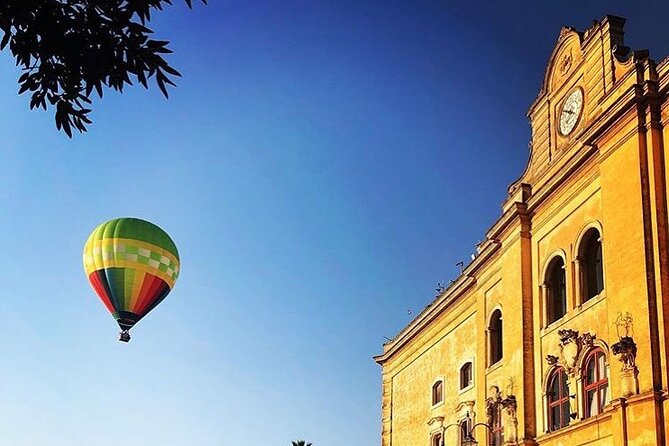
555 333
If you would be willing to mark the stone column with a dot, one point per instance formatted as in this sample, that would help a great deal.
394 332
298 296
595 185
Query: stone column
578 282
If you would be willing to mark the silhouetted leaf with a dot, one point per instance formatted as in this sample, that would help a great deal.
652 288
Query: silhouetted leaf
72 48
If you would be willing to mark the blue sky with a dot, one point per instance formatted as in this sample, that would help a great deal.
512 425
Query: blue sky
321 166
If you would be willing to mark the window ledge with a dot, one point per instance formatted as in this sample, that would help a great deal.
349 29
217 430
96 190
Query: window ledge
493 367
592 301
576 425
572 314
553 325
466 389
436 406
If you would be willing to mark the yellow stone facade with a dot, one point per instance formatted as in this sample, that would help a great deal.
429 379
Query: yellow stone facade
606 174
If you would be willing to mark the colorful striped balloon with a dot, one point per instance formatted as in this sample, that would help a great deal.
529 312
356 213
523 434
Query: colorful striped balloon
132 265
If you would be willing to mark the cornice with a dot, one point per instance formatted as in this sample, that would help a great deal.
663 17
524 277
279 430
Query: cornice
445 300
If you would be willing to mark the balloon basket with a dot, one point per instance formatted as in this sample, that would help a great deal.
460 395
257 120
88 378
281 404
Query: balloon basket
124 336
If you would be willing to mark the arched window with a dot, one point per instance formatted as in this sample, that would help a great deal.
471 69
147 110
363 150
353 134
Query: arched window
437 440
497 427
595 382
592 276
495 337
556 287
466 375
437 392
558 400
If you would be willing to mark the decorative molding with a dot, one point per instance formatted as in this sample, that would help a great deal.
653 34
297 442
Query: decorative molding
565 63
624 325
625 350
565 31
436 423
572 346
509 406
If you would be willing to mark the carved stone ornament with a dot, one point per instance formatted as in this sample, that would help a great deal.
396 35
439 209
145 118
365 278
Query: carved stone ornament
625 325
588 340
625 350
571 346
565 63
509 407
436 423
565 31
494 398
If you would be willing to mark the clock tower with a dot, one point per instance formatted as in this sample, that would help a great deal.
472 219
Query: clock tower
581 73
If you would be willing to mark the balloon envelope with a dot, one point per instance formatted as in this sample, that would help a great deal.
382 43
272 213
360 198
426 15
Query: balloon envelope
132 265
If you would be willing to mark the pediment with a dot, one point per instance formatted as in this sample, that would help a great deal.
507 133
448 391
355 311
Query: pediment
566 56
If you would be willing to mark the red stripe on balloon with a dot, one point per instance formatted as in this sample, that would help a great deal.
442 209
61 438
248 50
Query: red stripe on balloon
101 290
155 292
144 294
151 290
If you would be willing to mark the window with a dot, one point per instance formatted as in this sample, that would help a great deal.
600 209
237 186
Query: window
466 431
556 290
466 375
497 427
558 400
595 382
592 276
437 440
437 392
495 337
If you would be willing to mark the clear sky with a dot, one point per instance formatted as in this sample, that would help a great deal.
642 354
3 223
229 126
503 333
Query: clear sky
321 166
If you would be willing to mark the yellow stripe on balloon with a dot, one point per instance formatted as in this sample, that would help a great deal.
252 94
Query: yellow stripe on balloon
136 289
169 279
90 247
113 253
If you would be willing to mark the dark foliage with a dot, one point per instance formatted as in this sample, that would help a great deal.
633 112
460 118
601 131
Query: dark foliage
69 49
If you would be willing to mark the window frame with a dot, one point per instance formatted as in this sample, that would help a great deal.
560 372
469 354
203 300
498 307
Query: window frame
600 383
587 263
495 337
558 263
437 382
470 383
559 401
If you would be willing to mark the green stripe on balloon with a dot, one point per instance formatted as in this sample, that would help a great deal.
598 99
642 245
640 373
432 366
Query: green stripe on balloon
129 280
134 228
116 279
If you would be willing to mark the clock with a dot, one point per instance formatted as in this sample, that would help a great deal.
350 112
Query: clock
571 111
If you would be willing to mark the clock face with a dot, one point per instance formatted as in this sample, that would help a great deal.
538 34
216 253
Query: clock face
571 111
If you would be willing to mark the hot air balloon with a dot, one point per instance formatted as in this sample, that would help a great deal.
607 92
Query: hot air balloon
132 265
